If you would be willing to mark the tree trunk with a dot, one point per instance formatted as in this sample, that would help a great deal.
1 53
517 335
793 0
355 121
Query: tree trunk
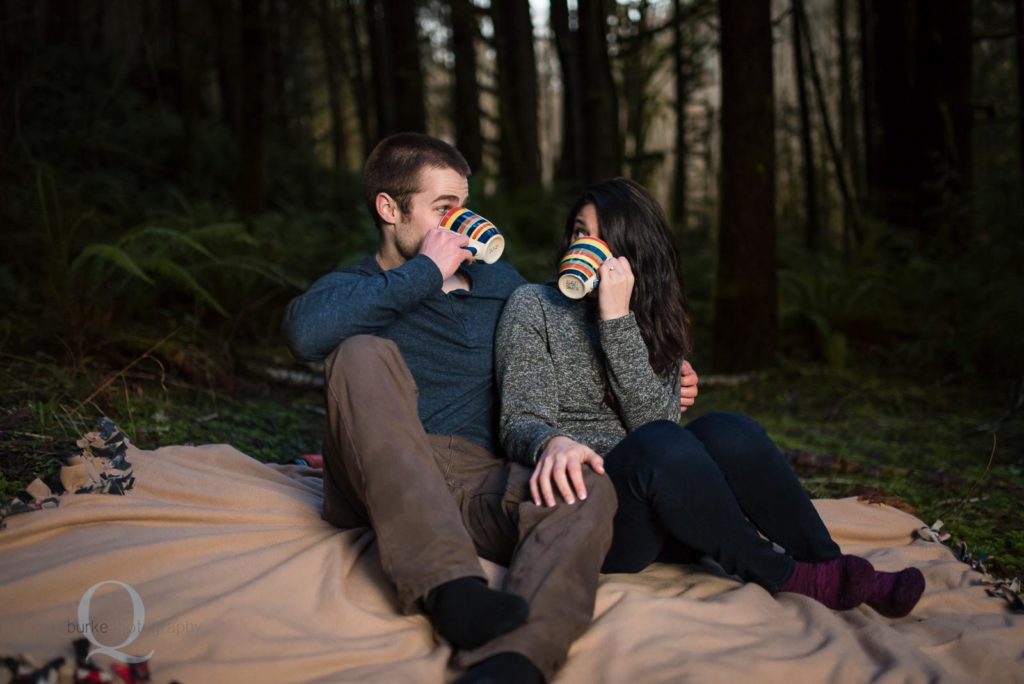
300 80
867 87
466 94
357 77
331 47
99 25
381 71
945 196
517 93
918 115
679 175
64 23
745 329
811 214
602 148
710 219
397 73
892 158
223 19
407 78
635 81
17 33
570 160
276 32
185 97
847 118
1019 7
8 51
849 203
253 40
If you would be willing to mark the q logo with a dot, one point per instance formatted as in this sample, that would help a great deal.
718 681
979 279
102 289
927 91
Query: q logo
138 619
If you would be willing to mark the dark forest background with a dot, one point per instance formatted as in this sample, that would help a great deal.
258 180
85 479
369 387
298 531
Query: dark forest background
174 164
845 180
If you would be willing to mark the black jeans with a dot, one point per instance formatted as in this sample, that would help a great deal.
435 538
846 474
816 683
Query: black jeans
708 488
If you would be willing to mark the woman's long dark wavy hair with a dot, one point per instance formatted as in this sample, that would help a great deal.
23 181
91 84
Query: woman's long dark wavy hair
634 226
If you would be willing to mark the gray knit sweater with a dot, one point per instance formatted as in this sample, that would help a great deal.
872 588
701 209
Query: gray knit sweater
550 357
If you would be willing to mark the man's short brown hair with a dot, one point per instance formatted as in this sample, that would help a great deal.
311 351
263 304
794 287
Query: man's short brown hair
394 167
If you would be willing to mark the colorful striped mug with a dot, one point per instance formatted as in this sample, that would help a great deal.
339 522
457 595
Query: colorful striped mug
577 271
485 242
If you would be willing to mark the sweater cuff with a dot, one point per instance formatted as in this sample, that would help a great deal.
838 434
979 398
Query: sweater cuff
540 441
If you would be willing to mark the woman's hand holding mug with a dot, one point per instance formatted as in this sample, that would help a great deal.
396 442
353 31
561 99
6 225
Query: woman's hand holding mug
613 296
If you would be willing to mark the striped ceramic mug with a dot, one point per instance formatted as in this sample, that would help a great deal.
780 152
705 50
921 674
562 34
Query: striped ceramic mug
485 242
577 271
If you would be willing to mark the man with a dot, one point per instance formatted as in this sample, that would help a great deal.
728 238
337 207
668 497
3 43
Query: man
411 420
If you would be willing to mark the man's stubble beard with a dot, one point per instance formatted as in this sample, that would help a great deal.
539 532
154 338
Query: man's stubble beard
407 246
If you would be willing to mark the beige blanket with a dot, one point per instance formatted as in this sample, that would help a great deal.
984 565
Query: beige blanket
238 579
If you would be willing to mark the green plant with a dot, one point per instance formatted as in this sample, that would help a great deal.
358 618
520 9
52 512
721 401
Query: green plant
157 274
833 298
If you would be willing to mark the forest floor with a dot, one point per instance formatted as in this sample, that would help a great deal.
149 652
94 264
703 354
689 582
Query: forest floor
950 450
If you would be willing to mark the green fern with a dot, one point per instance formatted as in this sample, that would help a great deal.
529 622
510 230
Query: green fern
173 237
111 254
234 232
185 280
832 298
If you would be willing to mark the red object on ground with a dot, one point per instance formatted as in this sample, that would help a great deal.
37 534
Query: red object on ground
314 460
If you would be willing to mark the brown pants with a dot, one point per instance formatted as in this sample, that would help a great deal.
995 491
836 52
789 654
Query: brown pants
435 502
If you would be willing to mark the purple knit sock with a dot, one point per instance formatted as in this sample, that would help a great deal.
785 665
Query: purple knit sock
841 583
894 594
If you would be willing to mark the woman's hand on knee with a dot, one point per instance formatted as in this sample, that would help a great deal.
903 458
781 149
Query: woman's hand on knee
561 466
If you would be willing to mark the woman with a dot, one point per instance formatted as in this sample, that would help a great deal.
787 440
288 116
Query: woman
595 383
